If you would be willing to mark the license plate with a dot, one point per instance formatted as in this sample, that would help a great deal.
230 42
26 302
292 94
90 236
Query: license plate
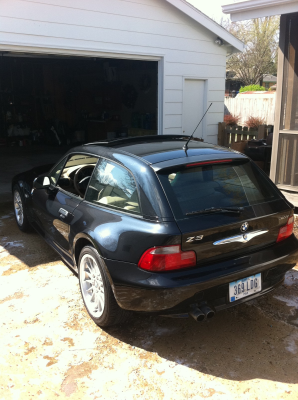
245 287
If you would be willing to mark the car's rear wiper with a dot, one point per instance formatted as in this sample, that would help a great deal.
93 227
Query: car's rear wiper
236 210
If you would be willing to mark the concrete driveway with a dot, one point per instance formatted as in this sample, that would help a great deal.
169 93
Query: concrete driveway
51 349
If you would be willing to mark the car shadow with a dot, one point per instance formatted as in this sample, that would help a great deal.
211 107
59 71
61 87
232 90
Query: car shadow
25 250
241 343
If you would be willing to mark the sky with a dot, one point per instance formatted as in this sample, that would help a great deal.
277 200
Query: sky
212 8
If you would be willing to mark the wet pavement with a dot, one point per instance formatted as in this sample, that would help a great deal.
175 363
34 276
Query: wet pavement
50 348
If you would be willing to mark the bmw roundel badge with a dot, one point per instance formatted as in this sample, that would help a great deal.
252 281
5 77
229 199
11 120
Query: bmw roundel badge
244 227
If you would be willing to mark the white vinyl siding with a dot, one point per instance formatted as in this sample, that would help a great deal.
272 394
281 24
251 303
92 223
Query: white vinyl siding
129 29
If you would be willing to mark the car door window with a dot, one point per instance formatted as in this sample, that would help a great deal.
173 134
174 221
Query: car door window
56 172
114 187
76 174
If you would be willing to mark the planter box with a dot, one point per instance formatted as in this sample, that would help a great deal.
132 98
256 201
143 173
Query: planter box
239 146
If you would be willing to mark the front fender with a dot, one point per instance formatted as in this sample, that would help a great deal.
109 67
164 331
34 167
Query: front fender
25 179
25 189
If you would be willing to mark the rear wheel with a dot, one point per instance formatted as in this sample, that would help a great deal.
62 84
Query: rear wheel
19 209
96 290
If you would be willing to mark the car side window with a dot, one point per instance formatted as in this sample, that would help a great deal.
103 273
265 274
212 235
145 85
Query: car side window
56 172
76 174
114 187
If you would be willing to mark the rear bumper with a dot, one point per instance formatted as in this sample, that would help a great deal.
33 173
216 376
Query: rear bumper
172 293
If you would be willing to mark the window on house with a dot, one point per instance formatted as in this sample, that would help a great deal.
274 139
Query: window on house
288 165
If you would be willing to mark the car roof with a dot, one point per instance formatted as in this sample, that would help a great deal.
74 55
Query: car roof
160 149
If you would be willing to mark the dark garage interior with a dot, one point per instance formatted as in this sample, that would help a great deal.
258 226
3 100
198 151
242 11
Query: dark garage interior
56 100
49 104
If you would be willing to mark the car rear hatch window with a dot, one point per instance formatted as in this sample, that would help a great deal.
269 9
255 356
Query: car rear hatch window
211 200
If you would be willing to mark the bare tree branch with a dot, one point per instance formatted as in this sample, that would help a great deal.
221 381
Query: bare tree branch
261 45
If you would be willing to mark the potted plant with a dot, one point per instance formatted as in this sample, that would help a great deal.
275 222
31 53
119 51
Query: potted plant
253 123
231 120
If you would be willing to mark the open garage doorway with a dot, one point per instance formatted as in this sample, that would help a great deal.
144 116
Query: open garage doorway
54 100
49 104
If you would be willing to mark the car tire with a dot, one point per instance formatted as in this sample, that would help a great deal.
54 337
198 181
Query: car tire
20 209
96 290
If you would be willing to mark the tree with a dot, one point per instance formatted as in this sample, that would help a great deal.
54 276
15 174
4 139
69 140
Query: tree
259 57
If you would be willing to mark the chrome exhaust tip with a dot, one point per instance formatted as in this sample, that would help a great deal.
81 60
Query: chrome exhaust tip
197 314
209 313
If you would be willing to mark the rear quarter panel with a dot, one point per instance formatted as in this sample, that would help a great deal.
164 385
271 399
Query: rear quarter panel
120 236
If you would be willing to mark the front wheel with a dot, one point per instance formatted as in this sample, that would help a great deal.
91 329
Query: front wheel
96 290
19 209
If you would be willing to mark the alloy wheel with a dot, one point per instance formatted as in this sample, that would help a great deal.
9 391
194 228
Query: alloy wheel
92 285
18 208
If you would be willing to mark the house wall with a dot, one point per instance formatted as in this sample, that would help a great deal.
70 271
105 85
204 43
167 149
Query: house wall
284 170
125 28
268 85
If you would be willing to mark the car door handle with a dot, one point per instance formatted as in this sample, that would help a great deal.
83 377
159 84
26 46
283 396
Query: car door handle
63 213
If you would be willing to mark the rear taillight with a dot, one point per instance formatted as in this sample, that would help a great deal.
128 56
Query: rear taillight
286 230
167 258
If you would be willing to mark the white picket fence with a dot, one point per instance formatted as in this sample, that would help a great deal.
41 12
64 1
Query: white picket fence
256 105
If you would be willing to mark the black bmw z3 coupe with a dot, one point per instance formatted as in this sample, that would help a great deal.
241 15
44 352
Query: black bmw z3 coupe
152 227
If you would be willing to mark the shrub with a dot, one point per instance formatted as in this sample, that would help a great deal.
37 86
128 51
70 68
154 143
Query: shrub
231 120
252 88
254 122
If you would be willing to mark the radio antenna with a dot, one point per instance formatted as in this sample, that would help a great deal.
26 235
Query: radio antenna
185 147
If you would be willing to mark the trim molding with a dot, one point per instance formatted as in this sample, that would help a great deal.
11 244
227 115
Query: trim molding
254 4
208 23
259 8
278 100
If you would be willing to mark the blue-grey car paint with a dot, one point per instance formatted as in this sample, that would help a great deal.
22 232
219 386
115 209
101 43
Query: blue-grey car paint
121 238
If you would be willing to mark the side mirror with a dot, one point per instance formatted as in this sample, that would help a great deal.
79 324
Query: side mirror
42 182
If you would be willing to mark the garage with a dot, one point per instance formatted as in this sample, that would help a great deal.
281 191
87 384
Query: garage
101 70
50 103
50 100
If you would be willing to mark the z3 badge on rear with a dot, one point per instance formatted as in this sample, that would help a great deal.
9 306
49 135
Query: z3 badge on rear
245 287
